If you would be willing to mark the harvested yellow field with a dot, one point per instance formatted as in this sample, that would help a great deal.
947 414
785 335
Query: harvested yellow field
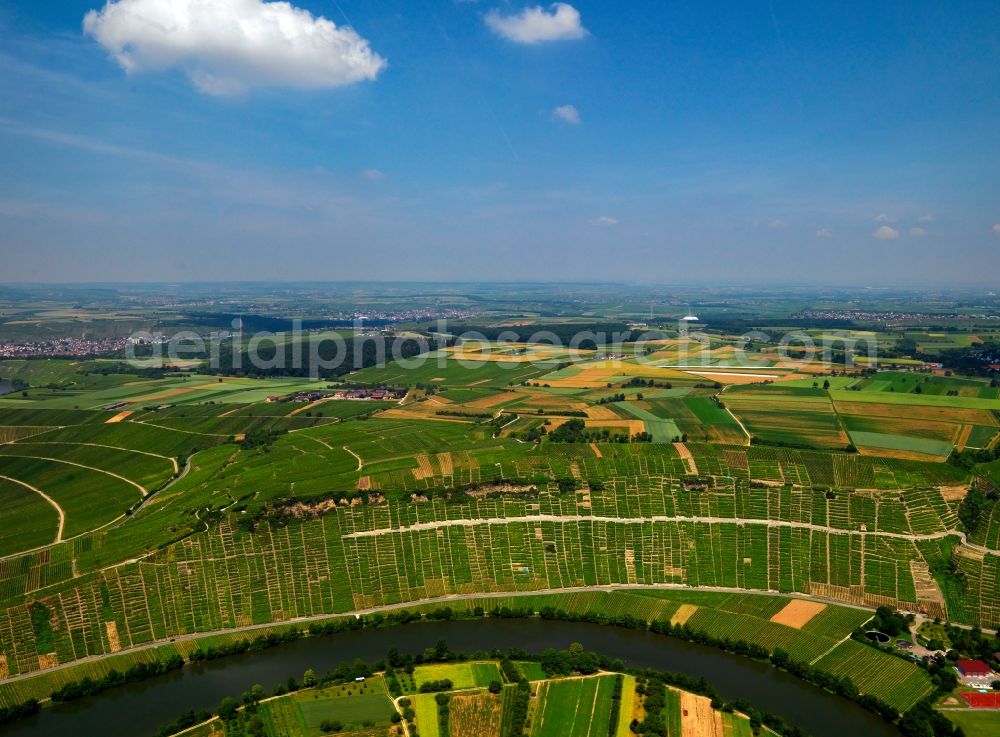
424 469
114 644
445 462
797 613
118 417
683 614
633 427
600 412
963 437
736 377
698 718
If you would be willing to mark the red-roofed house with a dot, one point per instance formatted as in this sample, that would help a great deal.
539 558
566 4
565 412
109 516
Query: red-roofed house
972 668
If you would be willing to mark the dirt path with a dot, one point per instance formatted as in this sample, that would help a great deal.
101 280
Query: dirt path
142 489
361 463
736 419
684 452
538 518
50 500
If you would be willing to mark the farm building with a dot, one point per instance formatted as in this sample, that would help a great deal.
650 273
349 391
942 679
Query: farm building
972 668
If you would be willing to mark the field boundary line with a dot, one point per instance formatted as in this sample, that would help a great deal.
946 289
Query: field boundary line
50 500
142 489
28 441
735 418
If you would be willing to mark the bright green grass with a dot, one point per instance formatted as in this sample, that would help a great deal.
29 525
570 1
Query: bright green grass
976 722
672 713
736 726
461 675
350 710
531 670
26 519
627 704
574 708
427 715
663 430
89 498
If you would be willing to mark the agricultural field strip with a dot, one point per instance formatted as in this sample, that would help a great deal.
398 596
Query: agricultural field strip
50 500
434 601
99 445
143 491
439 524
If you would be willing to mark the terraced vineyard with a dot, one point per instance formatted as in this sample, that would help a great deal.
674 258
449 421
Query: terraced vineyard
200 529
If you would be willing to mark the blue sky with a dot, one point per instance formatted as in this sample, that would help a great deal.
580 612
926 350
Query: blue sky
848 142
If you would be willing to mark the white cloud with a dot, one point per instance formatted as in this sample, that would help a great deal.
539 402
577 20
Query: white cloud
883 218
561 22
996 229
885 233
918 232
824 233
567 114
605 221
229 46
777 224
928 218
373 175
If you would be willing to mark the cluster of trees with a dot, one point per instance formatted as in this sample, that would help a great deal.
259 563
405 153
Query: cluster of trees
573 659
976 507
560 333
514 725
639 381
261 642
139 672
444 713
443 684
973 643
320 357
619 397
890 621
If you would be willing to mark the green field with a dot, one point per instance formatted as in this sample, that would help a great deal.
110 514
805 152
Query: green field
461 675
427 715
352 707
573 708
976 722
